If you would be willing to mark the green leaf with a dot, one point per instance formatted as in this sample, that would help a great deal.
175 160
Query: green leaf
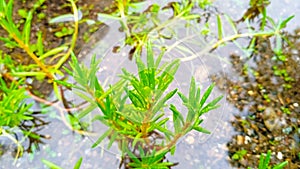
63 18
284 23
232 24
150 64
212 105
8 10
104 17
56 91
23 13
168 75
192 92
136 99
177 119
8 41
53 52
26 30
183 97
112 139
101 138
264 19
200 129
78 163
281 165
141 71
157 62
133 157
206 95
220 28
39 43
86 111
137 139
51 165
160 104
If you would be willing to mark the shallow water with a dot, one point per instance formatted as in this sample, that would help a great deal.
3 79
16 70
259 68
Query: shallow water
195 150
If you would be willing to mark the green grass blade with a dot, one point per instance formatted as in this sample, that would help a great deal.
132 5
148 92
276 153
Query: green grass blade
281 165
51 165
101 138
53 52
201 130
157 62
206 95
192 92
220 28
160 104
232 24
78 163
177 119
212 105
150 64
284 22
141 71
40 46
27 28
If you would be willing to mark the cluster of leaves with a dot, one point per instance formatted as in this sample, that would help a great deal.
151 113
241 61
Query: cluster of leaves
13 109
265 160
143 24
20 36
17 72
133 109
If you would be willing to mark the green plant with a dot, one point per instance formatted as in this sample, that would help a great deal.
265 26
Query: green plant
21 38
64 32
133 109
239 154
265 160
141 26
15 113
54 166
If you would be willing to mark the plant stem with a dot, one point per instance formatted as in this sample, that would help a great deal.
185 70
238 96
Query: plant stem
33 56
74 37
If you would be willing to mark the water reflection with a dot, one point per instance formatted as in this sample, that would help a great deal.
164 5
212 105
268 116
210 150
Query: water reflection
24 138
266 91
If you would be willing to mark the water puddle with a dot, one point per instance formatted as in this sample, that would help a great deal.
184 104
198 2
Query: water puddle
254 98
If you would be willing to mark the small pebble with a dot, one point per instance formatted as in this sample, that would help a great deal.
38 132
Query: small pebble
287 130
279 155
240 140
250 92
296 105
188 157
247 139
190 139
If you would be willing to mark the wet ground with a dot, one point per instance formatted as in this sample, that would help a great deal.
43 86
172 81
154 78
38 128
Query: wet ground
260 113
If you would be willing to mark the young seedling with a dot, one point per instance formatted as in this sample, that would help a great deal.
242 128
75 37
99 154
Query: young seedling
133 109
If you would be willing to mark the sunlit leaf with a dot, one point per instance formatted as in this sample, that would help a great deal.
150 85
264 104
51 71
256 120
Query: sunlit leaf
40 46
206 95
78 163
51 165
220 27
201 130
65 18
27 29
284 22
102 137
177 119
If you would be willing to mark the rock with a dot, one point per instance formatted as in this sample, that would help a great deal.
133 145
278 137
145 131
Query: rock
279 156
271 119
240 139
190 139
